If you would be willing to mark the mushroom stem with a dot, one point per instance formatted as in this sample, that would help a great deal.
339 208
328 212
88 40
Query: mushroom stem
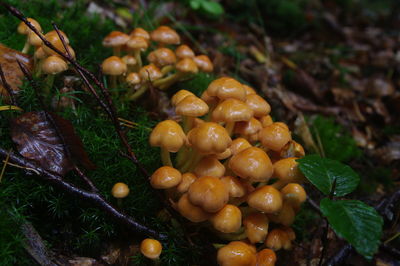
166 82
49 81
166 157
138 57
229 127
192 162
239 235
182 154
25 50
133 97
166 69
279 184
187 123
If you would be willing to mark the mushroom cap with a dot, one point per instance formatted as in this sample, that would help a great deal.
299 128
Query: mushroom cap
165 177
256 227
232 110
210 166
53 37
191 106
59 45
226 88
120 190
285 216
187 180
238 145
259 106
236 253
113 66
234 185
224 155
249 90
133 79
186 65
209 138
179 96
266 257
34 39
140 32
265 199
204 63
137 43
184 51
252 164
278 239
210 100
191 212
115 38
40 54
129 60
168 135
294 194
150 73
162 57
228 219
209 193
53 65
274 137
246 128
151 248
24 30
266 120
287 170
292 149
165 35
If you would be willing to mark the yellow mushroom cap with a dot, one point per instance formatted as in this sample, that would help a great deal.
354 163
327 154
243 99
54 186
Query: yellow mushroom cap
53 37
228 219
252 164
133 79
238 145
184 51
287 171
168 135
266 120
162 57
120 190
227 88
209 193
278 239
274 137
113 66
53 65
259 106
165 177
191 212
249 90
191 106
151 248
204 63
187 65
224 155
187 180
129 60
165 35
24 30
150 73
285 216
236 253
34 39
40 54
179 96
247 128
210 100
266 257
115 38
209 138
136 43
140 32
235 186
210 166
256 227
292 149
266 199
294 194
232 110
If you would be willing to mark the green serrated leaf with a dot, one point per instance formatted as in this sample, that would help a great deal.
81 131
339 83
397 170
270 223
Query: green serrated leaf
322 172
356 222
212 8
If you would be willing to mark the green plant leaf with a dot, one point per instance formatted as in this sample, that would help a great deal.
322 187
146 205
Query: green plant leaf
195 4
212 8
356 222
322 172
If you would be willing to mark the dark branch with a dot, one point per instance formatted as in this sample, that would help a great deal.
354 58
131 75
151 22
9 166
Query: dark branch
91 197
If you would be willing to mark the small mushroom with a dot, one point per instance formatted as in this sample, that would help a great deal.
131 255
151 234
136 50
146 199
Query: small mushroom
179 96
228 219
114 67
130 62
25 30
184 68
151 248
278 239
265 199
285 216
294 194
115 40
189 108
259 106
164 35
256 227
120 190
210 166
191 212
274 137
184 51
236 188
227 88
266 120
238 145
170 137
187 180
236 253
204 63
148 75
52 66
140 32
165 177
248 129
266 257
292 149
287 171
136 45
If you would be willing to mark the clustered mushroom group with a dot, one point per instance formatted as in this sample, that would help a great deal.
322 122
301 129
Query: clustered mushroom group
234 171
46 60
168 63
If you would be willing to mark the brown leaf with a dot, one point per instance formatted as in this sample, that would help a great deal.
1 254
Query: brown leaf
12 72
37 139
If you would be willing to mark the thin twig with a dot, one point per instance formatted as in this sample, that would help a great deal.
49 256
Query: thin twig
7 87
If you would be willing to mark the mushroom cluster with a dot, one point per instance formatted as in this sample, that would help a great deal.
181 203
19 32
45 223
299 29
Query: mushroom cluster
168 61
46 61
234 170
